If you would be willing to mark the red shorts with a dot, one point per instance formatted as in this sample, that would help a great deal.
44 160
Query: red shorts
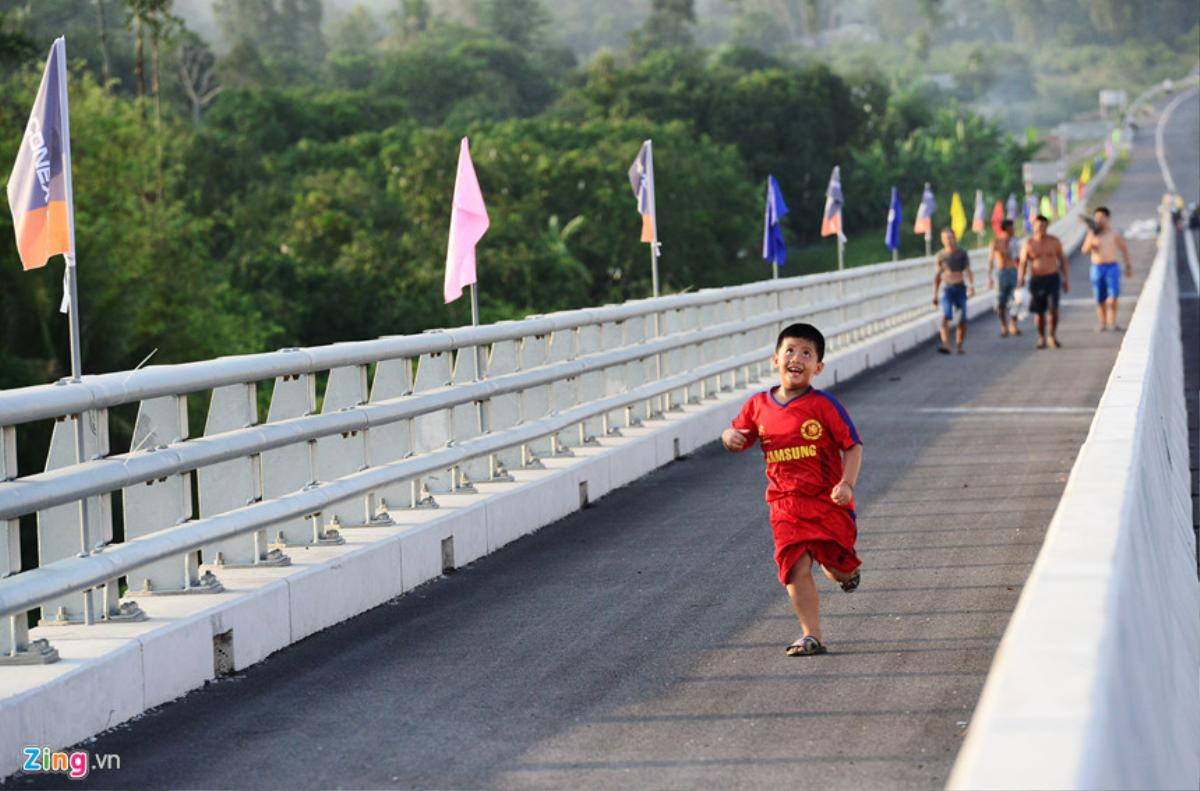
815 525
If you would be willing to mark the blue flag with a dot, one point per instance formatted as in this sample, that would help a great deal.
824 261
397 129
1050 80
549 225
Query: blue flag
774 248
895 217
1031 210
1010 207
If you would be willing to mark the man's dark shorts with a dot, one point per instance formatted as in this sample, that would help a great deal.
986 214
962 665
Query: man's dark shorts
1044 293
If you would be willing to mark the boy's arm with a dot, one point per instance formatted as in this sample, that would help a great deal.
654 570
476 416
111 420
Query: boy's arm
742 430
737 440
937 280
851 464
970 278
1022 263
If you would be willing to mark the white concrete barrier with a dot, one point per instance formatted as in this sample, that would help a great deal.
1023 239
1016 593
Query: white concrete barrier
1096 683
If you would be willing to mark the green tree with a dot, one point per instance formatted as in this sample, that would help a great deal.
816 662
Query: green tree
520 22
285 33
15 46
669 26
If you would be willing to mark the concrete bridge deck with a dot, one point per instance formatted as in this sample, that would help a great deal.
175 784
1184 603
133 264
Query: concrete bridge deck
639 643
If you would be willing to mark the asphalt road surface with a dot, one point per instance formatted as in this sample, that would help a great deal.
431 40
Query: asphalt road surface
640 643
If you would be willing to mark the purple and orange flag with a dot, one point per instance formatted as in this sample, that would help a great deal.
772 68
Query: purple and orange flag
831 220
979 221
641 178
39 188
924 221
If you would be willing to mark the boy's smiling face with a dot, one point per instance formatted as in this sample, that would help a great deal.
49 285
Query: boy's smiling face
797 363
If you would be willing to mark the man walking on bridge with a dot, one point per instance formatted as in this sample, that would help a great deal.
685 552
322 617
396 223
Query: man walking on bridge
952 277
1002 257
1103 243
1042 259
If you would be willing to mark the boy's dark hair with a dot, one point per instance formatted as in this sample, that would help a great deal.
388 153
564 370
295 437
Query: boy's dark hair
1103 210
806 332
1041 218
1006 225
947 229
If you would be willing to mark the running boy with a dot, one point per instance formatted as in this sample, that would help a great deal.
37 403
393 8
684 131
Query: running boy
813 456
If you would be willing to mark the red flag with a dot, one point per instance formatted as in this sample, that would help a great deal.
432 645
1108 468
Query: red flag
39 188
997 217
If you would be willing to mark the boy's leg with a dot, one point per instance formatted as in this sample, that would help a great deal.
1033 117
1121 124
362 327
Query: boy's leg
1111 309
960 333
837 576
802 590
944 332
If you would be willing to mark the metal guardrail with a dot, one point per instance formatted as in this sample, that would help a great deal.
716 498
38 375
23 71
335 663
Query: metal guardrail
426 423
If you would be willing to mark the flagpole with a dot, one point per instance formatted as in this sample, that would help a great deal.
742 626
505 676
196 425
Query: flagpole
841 264
654 262
896 254
72 291
475 323
73 295
928 239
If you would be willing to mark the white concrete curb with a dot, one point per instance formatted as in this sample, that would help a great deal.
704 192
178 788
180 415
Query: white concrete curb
1095 683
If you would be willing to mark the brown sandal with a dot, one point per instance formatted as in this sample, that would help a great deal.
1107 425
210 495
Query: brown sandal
806 646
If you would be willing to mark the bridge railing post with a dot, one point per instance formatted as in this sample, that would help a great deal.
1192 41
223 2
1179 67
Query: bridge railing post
389 442
234 483
160 503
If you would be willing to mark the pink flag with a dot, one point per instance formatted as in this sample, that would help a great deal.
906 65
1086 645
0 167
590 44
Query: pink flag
468 223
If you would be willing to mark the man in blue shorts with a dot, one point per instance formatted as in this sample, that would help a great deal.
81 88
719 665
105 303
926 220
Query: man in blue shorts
1002 259
953 283
1104 243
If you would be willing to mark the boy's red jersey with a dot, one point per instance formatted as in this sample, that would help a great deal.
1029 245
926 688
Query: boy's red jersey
802 441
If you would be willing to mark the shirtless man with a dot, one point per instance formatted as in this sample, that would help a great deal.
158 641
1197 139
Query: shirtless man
1002 257
953 267
1104 244
1043 260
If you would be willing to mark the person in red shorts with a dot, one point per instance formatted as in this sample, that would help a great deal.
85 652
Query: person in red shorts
813 455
